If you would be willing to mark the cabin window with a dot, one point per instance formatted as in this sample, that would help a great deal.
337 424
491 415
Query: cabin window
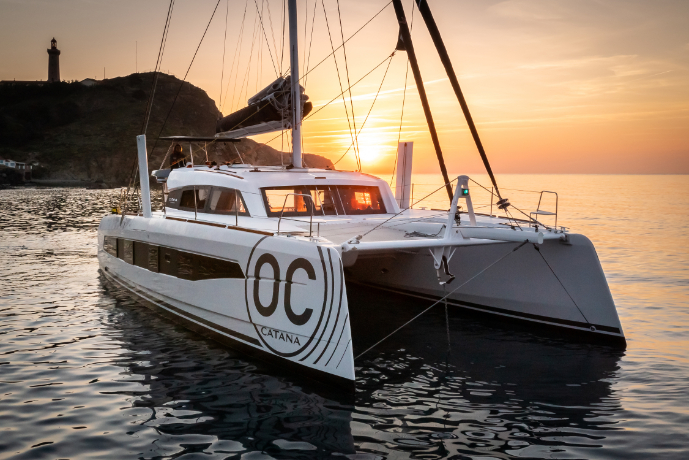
226 201
361 200
324 200
216 200
173 262
187 201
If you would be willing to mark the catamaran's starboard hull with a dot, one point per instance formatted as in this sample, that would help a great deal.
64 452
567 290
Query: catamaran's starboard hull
558 283
281 299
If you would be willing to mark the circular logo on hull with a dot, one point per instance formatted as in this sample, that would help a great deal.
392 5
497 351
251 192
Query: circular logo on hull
287 291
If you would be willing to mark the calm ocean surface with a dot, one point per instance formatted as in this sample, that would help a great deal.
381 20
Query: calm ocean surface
85 372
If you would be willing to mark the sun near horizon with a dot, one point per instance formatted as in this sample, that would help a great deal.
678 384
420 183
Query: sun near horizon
553 86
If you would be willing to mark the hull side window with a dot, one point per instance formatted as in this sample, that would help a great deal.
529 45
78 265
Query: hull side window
128 253
168 261
153 258
110 245
140 254
173 262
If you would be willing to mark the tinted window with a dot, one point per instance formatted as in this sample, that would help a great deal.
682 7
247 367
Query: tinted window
173 262
185 265
210 268
128 253
226 201
153 258
110 245
323 200
187 201
361 200
140 254
173 198
168 261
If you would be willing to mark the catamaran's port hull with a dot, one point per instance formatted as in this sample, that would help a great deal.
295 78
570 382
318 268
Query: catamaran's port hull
556 284
226 338
280 299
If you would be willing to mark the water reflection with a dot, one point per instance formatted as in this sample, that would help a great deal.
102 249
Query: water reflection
498 391
86 371
194 387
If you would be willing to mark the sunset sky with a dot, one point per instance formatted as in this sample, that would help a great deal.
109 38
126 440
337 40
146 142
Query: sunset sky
555 86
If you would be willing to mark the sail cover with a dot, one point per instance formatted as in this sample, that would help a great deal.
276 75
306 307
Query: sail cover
269 110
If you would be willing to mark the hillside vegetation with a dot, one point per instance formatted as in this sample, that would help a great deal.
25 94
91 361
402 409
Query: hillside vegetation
86 133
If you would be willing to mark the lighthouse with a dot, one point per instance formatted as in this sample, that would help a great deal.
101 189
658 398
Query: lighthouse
53 62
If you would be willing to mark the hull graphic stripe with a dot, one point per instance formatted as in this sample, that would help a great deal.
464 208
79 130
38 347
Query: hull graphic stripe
330 311
343 354
344 324
339 308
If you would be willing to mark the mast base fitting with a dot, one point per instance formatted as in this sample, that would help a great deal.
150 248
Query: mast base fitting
503 204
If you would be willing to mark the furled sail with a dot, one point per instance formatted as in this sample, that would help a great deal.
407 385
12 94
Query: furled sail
269 110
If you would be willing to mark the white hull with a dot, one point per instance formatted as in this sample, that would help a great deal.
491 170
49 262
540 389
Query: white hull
274 285
252 312
562 286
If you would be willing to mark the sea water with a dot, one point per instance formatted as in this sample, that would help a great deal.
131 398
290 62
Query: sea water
86 372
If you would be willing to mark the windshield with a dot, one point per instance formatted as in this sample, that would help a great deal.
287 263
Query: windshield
327 200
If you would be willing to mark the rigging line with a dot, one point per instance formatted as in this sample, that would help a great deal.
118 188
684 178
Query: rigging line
224 45
440 300
238 154
272 31
149 103
351 101
371 109
260 17
282 39
169 150
350 37
410 206
355 83
161 50
404 97
313 22
185 78
560 281
240 39
306 28
399 133
245 79
337 68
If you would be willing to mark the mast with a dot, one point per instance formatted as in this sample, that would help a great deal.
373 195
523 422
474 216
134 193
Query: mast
445 58
409 47
294 81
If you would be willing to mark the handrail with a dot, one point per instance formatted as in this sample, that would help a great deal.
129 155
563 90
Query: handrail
313 205
538 208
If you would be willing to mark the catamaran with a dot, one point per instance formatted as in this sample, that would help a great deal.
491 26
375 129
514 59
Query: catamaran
262 257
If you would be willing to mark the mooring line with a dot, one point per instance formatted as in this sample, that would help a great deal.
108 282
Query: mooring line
437 302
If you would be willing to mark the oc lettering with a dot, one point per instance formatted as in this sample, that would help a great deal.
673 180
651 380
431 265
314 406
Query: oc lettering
300 263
